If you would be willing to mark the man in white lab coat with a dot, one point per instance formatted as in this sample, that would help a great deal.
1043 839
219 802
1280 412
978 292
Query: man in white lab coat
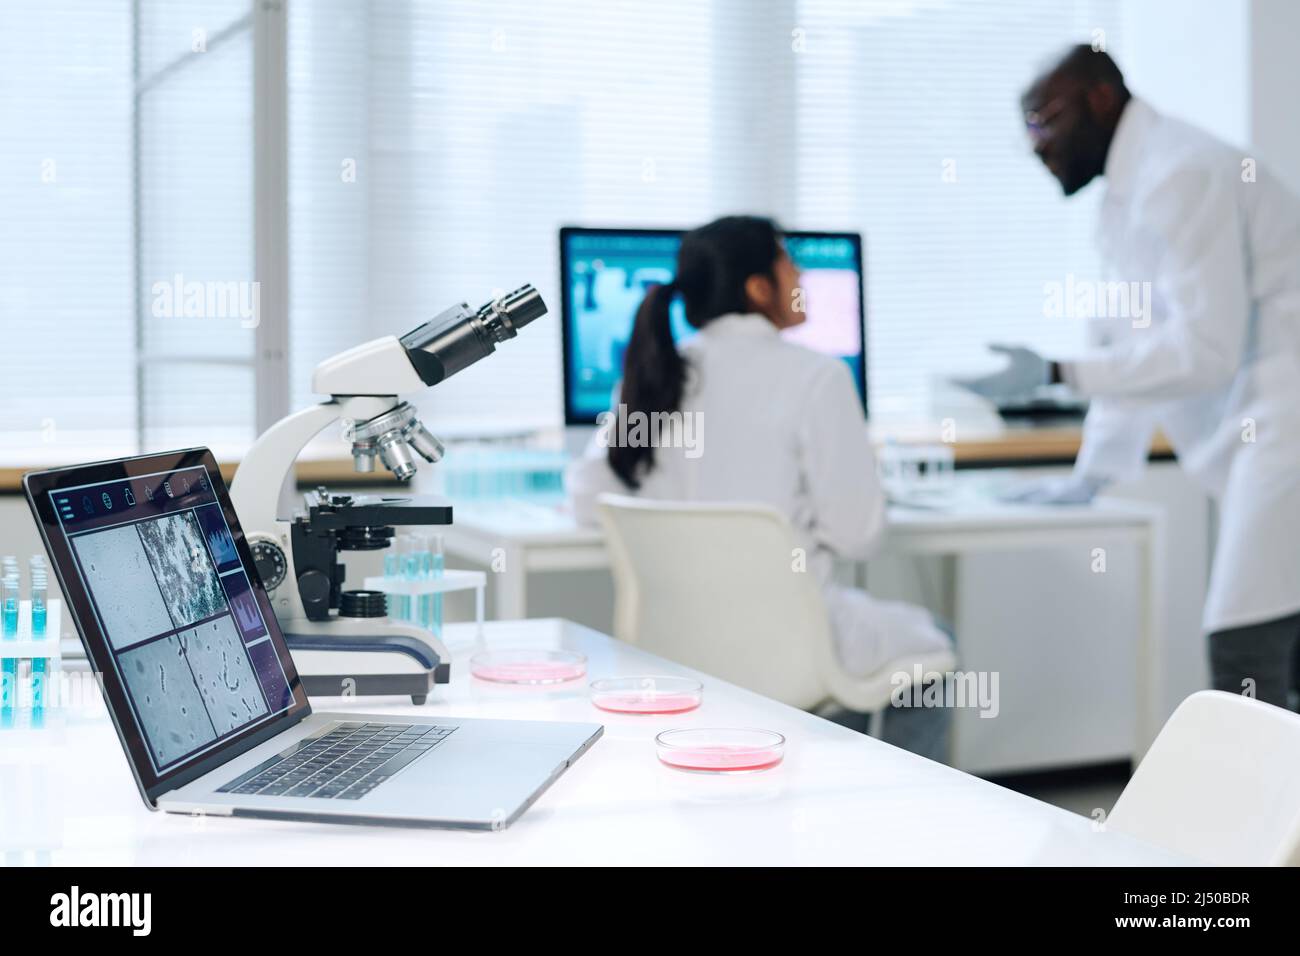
1215 361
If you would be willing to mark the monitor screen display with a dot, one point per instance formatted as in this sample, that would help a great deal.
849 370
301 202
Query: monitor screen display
605 274
185 634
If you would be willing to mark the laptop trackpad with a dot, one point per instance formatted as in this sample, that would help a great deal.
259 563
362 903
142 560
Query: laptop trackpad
473 780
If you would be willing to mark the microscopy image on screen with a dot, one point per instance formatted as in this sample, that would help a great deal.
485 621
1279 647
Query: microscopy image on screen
225 677
220 543
121 580
271 675
171 710
186 577
244 606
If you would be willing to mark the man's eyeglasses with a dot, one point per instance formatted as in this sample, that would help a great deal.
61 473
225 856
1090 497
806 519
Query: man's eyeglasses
1038 123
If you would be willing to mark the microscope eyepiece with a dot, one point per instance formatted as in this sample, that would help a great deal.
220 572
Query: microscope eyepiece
521 306
458 338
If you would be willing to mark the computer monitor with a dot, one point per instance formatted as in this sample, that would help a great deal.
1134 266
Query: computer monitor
604 275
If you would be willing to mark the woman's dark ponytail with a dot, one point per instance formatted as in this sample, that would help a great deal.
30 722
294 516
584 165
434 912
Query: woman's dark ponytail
654 377
713 266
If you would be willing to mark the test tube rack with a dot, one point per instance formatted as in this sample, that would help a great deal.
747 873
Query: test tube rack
24 646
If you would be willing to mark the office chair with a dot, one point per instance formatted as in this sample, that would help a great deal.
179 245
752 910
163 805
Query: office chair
713 586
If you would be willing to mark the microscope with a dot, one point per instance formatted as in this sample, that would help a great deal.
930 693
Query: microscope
342 641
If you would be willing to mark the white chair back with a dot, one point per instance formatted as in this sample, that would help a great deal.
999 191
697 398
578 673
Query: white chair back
717 587
1221 783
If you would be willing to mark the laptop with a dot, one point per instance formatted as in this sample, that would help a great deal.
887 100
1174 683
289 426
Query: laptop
204 694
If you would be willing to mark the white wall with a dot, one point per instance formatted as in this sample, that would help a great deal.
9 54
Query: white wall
1191 59
1274 84
1228 66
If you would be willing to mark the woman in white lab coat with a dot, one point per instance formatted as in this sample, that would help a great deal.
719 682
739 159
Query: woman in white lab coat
777 424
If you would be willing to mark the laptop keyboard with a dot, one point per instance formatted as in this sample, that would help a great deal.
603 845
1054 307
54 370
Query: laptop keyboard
344 764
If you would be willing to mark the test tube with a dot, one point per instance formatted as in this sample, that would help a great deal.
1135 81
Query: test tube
393 569
8 691
438 566
9 626
40 604
9 611
421 565
408 554
40 666
9 568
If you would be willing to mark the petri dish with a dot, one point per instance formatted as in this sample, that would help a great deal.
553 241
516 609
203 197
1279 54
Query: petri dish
528 665
647 695
720 749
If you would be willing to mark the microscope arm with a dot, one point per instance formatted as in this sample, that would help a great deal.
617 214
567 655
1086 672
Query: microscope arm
269 463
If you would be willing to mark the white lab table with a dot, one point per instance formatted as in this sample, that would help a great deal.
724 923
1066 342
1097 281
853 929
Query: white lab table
517 538
839 797
988 527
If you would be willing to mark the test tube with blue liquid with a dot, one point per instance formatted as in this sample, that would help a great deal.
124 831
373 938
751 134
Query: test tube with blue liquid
434 565
40 665
9 599
412 566
421 570
392 567
12 596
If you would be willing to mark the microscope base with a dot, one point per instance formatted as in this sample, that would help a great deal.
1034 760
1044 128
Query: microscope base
367 658
416 686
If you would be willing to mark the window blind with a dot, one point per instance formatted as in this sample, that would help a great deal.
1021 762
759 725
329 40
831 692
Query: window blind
126 169
437 148
66 290
910 131
475 131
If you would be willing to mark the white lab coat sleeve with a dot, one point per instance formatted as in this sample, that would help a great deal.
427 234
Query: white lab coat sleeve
1200 280
839 467
1116 440
589 477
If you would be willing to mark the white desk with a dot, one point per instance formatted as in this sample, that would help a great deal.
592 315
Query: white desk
839 797
517 538
1107 522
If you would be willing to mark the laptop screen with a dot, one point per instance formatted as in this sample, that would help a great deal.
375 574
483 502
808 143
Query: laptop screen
186 636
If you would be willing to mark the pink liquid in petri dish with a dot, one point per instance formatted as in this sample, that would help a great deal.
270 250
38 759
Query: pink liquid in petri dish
721 758
530 672
634 703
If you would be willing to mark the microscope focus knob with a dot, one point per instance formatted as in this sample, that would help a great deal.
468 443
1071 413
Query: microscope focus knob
314 589
269 559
